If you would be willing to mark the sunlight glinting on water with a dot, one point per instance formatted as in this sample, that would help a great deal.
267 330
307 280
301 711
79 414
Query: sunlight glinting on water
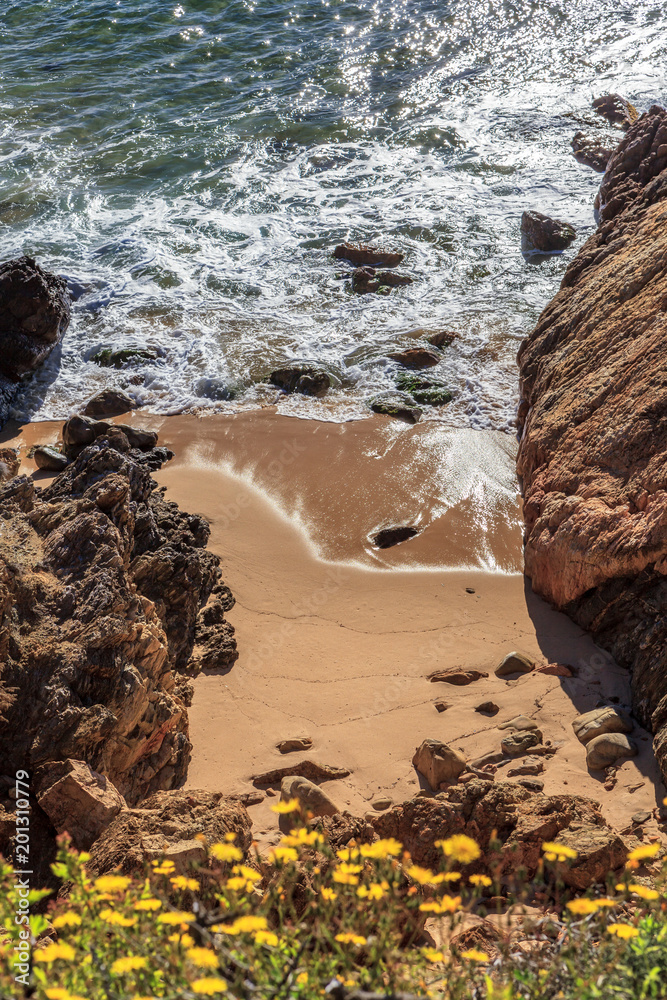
190 168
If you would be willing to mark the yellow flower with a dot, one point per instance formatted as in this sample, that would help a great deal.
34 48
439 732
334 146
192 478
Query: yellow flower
67 919
249 924
184 940
302 979
177 917
208 986
373 891
293 805
129 964
53 952
226 852
350 939
328 894
181 882
57 994
248 873
558 852
348 854
203 957
644 852
432 955
111 883
448 904
283 854
605 903
238 884
266 937
461 848
581 907
117 919
382 849
164 864
451 876
643 892
166 868
473 955
423 876
620 887
623 930
480 880
302 838
224 929
148 904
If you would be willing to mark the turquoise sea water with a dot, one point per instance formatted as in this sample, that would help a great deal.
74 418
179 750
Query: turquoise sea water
189 167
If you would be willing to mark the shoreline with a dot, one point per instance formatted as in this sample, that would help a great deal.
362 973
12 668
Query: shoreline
334 647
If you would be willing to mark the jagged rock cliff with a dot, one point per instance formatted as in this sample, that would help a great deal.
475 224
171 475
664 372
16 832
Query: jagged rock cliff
592 457
101 583
34 314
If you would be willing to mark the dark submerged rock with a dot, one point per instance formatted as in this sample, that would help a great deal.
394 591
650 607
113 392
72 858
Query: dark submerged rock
388 537
367 256
304 378
367 279
546 234
121 358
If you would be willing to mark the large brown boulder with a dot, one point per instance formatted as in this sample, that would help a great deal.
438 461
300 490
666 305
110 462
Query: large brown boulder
510 824
170 824
34 314
592 457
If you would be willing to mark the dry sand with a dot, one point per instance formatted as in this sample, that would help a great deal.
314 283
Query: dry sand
336 638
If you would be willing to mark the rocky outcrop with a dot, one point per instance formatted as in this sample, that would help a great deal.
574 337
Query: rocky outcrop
594 427
170 824
101 582
510 824
34 314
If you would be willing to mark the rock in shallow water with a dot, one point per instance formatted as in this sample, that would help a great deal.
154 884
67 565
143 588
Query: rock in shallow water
303 378
396 404
545 234
388 537
425 389
616 109
416 357
367 256
592 150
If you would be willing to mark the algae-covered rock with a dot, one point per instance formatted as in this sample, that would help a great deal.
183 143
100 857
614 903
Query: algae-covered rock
124 356
425 389
396 404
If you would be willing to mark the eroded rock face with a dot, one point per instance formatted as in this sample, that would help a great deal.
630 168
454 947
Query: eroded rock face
101 581
168 824
593 445
520 819
34 314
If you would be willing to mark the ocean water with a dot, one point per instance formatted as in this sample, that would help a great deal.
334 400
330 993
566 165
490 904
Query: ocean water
190 165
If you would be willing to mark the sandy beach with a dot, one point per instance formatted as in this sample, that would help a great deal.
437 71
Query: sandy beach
336 638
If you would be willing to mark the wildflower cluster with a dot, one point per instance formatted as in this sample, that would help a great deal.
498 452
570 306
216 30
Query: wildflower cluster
366 915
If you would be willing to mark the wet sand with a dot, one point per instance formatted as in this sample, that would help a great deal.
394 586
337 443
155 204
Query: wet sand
336 638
